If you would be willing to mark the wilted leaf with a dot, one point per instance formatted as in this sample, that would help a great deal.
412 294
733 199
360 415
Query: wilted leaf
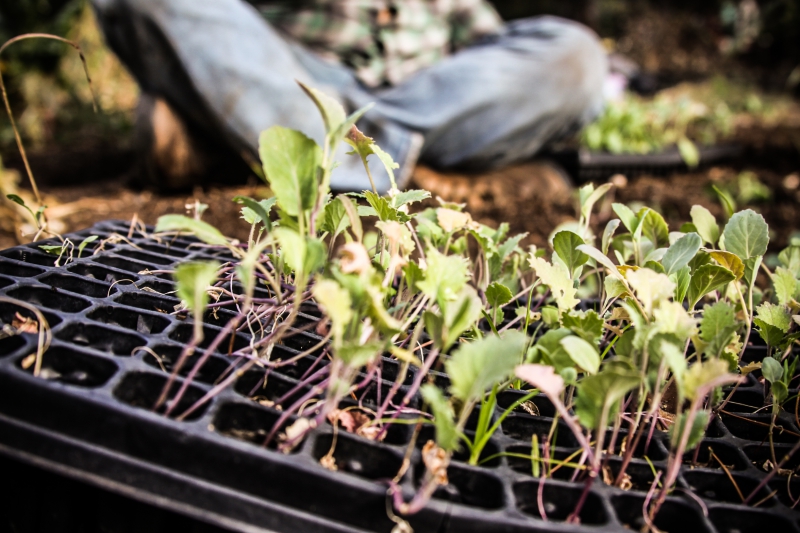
543 377
730 261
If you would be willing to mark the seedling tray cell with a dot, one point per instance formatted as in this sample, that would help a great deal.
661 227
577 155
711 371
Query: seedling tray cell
116 337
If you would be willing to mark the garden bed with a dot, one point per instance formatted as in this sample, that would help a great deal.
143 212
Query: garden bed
89 415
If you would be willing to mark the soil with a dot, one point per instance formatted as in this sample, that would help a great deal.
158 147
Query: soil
534 197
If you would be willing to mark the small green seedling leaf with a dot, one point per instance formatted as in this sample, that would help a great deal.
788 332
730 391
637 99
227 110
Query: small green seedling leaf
332 112
608 233
790 258
681 252
566 243
410 197
589 196
588 325
601 393
682 278
446 432
260 209
716 319
193 279
444 277
557 278
477 366
85 242
689 152
628 217
583 354
335 218
705 223
725 199
337 305
352 214
771 369
202 230
654 227
498 294
785 285
291 161
708 278
365 146
746 234
696 432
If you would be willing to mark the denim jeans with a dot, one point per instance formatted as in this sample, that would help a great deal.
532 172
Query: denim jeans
227 71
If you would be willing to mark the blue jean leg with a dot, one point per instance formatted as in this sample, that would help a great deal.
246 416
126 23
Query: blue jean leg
499 102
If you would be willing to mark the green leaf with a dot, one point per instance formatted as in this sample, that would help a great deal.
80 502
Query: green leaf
790 258
260 208
725 199
588 325
445 275
352 214
193 279
708 278
88 240
746 234
365 146
716 318
332 112
566 243
627 216
459 315
337 305
557 278
335 219
730 261
785 285
505 249
681 252
446 431
202 230
589 196
498 294
681 279
654 227
702 375
602 259
291 161
475 367
600 392
689 152
303 255
608 233
771 369
775 315
583 354
696 433
410 197
52 249
651 287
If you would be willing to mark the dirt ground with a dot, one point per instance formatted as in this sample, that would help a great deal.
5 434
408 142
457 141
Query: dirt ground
532 198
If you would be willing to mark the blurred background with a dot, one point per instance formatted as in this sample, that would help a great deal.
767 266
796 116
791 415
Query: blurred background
713 73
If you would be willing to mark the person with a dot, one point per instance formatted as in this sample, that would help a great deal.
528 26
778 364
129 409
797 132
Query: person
453 86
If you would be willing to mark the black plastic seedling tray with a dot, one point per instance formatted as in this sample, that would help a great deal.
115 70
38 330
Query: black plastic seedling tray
88 416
